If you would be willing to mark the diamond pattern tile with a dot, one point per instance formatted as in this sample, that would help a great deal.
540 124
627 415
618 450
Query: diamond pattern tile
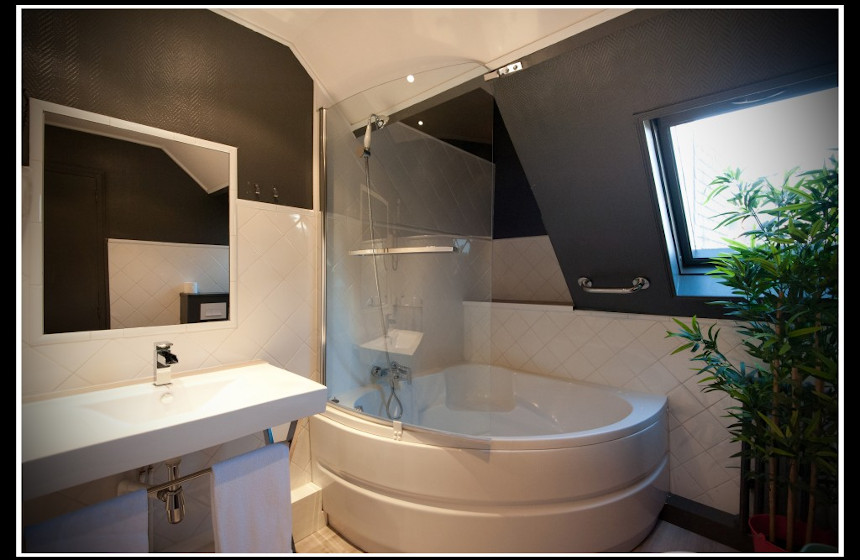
146 279
627 351
526 269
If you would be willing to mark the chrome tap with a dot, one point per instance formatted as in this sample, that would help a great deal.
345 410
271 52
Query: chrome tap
163 358
399 371
377 371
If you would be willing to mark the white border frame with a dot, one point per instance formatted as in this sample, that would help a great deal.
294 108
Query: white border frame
32 234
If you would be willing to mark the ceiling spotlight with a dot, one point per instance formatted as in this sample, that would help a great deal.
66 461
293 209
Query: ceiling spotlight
410 78
420 123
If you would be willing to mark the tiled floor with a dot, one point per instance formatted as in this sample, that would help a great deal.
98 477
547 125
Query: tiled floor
325 540
665 538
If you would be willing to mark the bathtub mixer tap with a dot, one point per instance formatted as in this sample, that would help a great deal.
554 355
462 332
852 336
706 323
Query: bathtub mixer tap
397 371
393 405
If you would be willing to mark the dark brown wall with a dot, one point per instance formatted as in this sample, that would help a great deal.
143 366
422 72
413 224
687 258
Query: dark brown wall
148 196
189 71
515 210
573 121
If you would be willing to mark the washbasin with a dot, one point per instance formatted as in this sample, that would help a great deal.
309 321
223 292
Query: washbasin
398 341
148 402
82 437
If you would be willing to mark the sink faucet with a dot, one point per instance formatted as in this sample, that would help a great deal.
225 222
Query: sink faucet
163 358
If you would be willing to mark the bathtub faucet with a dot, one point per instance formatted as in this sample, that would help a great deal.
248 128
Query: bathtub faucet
377 371
399 371
396 370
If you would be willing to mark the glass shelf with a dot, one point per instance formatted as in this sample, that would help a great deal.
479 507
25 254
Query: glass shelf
403 250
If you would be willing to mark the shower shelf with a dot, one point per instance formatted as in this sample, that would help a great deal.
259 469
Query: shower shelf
404 250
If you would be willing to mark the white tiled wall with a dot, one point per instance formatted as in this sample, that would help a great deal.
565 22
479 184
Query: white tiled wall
622 350
146 278
277 301
525 269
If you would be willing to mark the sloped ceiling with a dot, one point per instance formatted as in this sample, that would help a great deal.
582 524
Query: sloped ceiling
360 57
571 113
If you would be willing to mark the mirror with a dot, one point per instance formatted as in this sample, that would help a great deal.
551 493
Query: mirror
129 226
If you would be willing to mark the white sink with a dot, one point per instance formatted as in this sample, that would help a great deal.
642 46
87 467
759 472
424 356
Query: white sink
78 438
397 341
146 403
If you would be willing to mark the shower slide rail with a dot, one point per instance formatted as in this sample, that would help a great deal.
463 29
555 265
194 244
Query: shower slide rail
639 283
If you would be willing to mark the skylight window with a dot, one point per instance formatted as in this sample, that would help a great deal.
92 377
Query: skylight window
762 140
764 134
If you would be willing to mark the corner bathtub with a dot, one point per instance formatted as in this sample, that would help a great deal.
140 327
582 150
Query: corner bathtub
520 463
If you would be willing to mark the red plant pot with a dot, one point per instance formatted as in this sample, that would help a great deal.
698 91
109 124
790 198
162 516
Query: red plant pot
759 526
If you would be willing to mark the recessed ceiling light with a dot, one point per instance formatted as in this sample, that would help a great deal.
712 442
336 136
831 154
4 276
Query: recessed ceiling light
410 78
420 123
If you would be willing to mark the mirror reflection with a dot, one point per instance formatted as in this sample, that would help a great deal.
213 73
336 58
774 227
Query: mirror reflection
465 121
136 228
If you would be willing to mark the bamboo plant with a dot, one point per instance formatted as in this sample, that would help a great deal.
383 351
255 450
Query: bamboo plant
783 276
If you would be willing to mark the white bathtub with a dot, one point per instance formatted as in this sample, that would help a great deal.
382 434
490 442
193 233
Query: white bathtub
524 464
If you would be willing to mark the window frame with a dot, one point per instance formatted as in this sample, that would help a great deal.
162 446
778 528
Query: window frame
690 273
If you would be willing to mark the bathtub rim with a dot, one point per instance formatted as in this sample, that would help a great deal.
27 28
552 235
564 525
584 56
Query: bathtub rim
647 409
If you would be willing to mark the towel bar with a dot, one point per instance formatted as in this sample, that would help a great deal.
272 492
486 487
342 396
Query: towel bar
639 283
155 489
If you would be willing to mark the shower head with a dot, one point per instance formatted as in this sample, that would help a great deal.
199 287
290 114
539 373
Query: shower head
379 121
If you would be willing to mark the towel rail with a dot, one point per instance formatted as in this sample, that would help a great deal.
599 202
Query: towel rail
639 283
156 488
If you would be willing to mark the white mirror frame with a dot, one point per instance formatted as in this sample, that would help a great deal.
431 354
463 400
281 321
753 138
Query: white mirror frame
32 256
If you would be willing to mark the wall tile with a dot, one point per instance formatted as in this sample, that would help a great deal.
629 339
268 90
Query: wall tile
630 351
526 269
146 279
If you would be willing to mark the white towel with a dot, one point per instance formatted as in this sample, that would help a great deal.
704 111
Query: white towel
251 505
116 525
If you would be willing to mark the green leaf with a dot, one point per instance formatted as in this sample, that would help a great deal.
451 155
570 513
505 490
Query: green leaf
682 348
683 325
770 423
803 331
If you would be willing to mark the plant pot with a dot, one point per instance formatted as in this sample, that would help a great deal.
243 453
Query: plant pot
759 526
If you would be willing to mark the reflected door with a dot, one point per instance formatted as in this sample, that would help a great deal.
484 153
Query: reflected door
75 273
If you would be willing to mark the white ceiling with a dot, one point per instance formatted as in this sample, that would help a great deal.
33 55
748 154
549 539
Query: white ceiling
360 57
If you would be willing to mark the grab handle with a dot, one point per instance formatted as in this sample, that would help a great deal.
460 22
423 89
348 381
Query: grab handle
639 283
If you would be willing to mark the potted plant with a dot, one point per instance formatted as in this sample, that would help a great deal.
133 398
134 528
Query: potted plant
784 282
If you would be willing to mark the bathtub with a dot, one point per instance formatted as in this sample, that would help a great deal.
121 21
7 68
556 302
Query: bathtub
489 460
